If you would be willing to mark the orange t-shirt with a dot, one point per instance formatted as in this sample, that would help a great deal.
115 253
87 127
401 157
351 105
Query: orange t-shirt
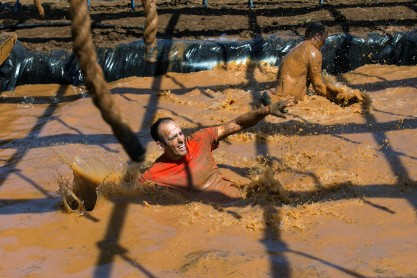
197 171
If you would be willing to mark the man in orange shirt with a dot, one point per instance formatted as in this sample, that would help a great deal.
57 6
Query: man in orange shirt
187 163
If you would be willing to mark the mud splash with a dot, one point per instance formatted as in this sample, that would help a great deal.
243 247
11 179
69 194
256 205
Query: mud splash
89 176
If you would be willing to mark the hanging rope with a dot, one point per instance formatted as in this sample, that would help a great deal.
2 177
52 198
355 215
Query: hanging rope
149 35
96 84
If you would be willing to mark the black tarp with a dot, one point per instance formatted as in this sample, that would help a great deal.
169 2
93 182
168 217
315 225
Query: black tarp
341 53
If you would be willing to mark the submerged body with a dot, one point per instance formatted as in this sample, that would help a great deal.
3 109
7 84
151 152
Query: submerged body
188 165
301 67
196 171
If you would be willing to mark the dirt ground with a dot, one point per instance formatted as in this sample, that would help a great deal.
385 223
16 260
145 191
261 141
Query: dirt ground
114 22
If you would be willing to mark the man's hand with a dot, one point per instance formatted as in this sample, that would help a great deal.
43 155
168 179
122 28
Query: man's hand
277 108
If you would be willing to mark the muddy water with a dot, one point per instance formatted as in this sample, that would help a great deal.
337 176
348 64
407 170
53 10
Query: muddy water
331 192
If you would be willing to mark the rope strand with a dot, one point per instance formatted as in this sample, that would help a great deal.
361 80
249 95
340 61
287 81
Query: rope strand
149 35
95 82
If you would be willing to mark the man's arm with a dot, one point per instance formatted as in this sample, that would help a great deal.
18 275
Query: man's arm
314 72
251 118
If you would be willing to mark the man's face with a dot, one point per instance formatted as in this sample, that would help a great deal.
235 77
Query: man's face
322 38
172 140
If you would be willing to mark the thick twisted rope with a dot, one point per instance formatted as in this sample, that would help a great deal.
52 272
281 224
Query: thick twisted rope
96 84
149 35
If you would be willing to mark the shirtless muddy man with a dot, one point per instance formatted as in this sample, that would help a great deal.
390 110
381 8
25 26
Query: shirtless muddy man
302 67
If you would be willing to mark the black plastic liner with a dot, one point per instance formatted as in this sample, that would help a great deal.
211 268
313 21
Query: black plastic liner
341 53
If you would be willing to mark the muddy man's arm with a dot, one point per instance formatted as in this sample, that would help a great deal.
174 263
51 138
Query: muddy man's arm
251 118
314 72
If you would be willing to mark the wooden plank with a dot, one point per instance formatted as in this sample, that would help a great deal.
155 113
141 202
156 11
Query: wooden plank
7 41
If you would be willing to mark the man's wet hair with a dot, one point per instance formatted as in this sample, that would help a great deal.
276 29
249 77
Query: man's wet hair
155 126
314 28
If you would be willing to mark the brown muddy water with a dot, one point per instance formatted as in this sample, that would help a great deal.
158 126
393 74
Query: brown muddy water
331 191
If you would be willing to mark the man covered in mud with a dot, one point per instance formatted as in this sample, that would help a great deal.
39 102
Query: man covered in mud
302 67
187 163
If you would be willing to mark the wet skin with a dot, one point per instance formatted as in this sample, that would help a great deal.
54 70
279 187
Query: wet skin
301 67
172 140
